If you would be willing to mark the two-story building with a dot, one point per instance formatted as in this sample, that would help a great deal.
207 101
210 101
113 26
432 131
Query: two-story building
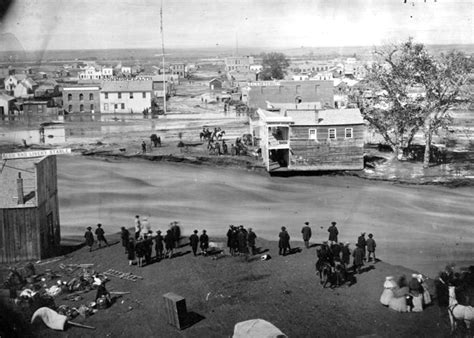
238 63
6 104
256 94
178 69
126 96
311 140
12 81
25 88
81 98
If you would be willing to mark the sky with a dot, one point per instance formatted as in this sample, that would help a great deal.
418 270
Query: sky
94 24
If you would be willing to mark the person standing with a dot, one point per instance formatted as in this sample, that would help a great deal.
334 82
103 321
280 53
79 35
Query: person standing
306 231
100 235
204 239
138 227
333 232
159 245
169 243
358 259
176 233
140 251
143 147
361 242
242 238
89 238
346 254
131 251
194 242
251 237
229 239
371 247
284 242
145 226
125 235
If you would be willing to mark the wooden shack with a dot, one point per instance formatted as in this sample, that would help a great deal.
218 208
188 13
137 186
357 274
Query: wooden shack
29 212
312 139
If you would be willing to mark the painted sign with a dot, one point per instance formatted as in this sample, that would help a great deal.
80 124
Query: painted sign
263 83
37 153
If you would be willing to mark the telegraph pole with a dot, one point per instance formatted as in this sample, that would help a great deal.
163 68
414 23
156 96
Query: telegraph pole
163 57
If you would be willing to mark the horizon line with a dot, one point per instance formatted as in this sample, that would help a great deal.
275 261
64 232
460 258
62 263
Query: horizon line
222 47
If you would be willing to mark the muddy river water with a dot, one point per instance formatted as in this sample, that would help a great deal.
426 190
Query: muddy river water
420 227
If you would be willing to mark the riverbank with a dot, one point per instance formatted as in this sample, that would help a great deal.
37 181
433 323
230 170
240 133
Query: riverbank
219 293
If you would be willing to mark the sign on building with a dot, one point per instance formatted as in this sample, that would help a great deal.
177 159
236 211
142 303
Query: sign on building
37 153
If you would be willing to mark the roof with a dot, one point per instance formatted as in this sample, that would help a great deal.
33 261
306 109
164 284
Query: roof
302 105
127 86
332 117
6 97
303 117
270 117
19 77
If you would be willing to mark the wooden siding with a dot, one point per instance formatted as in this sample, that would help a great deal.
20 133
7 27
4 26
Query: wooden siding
325 154
19 235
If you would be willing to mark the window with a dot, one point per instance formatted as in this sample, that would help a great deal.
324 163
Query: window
69 108
123 105
69 97
81 97
115 106
332 133
348 132
144 95
91 97
106 95
119 95
92 107
106 106
81 108
131 95
312 134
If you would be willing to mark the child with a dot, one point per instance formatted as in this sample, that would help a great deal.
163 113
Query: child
370 247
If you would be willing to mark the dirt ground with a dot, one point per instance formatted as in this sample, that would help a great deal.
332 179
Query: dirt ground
221 292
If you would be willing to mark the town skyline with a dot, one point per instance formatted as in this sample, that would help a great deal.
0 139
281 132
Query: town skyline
228 24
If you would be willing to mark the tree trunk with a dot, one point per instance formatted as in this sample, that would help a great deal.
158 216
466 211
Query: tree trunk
428 136
399 153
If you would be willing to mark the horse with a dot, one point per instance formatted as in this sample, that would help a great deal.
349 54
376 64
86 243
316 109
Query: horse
458 312
204 135
220 134
325 271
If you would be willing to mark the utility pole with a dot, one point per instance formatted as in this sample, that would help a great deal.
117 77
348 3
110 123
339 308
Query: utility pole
163 57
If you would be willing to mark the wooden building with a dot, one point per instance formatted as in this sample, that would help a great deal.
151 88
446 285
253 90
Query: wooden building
311 140
29 212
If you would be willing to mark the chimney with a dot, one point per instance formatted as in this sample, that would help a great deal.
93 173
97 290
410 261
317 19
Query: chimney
19 188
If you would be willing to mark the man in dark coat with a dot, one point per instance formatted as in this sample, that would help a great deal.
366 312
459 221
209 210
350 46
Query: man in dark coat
361 242
306 231
159 245
229 239
358 259
242 238
346 254
371 247
89 238
284 242
333 232
169 244
251 237
176 233
194 242
125 235
235 241
204 239
100 235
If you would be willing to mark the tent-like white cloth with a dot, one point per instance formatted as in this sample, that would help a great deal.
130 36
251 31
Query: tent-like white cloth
257 328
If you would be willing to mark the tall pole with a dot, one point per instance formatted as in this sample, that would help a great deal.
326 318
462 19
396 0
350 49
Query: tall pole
163 57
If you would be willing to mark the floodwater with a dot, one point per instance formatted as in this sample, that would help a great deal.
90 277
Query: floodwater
420 227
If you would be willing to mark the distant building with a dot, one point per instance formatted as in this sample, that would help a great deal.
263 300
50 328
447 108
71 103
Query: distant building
311 140
255 94
29 211
25 88
6 104
215 84
127 96
107 72
126 70
238 63
90 73
178 69
12 81
81 98
35 107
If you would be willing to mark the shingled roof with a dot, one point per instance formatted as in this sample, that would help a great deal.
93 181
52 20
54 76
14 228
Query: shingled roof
127 86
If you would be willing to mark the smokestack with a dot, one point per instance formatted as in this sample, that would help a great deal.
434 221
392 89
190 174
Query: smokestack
19 188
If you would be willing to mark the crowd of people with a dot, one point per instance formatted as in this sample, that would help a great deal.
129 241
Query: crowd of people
240 241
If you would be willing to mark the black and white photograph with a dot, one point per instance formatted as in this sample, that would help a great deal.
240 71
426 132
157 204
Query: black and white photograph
236 168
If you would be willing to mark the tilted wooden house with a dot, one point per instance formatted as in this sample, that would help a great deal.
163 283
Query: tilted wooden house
311 140
29 212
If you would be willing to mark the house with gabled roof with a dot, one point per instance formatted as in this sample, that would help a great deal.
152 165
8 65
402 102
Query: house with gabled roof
126 96
311 139
12 81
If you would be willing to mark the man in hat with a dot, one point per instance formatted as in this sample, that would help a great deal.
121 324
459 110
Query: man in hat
159 245
306 231
194 241
99 232
251 237
333 232
89 238
361 243
204 239
284 242
125 235
370 247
